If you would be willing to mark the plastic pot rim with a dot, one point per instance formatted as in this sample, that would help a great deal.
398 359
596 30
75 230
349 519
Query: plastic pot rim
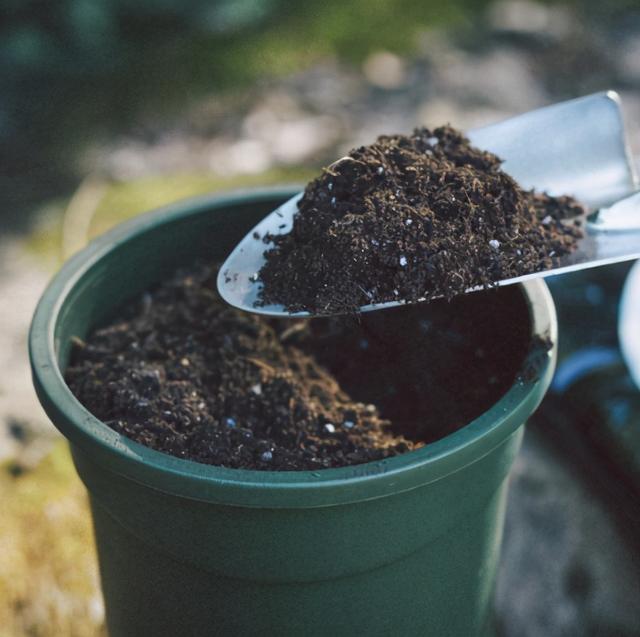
266 489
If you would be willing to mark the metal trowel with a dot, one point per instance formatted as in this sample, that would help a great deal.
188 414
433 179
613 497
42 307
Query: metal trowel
577 148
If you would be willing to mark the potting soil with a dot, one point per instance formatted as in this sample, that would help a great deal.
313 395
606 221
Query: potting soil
412 217
183 373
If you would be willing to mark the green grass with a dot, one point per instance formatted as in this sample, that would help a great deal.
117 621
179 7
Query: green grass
165 71
48 568
348 31
123 200
298 35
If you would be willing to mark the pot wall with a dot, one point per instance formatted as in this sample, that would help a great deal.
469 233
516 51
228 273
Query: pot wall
442 588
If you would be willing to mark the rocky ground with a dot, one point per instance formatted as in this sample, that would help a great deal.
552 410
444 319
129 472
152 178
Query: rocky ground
565 571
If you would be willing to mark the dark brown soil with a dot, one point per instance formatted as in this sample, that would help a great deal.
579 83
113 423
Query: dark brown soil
412 217
183 373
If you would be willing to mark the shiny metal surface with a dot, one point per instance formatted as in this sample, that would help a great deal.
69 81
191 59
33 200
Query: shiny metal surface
577 147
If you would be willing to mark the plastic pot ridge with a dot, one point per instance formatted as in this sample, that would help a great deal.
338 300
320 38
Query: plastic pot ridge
405 546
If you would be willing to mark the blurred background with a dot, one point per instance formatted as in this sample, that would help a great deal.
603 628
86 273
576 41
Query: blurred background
112 107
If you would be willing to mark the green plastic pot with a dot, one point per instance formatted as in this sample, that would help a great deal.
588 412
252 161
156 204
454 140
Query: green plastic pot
405 546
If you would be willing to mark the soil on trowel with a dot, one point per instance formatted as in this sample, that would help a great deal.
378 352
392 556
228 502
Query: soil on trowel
413 217
183 373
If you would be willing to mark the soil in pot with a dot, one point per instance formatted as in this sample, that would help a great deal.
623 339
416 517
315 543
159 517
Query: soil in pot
411 217
183 373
